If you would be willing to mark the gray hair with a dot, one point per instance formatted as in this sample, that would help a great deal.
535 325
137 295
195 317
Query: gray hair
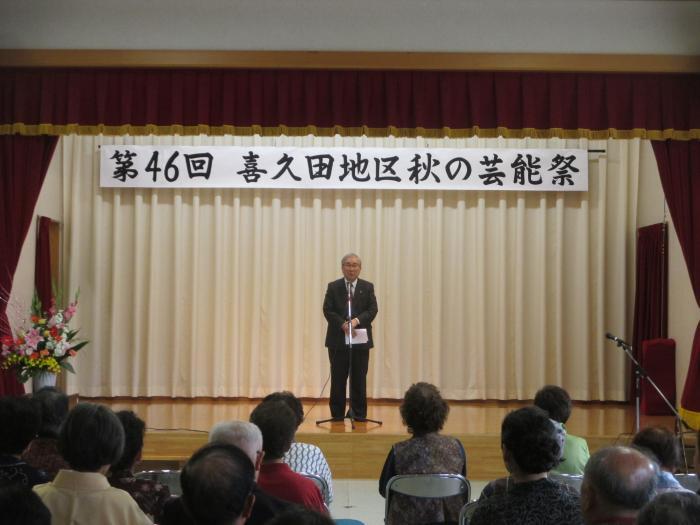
244 435
348 255
623 476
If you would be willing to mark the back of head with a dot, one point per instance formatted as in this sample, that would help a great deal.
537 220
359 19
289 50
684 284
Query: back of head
531 439
292 401
555 401
20 418
278 425
662 443
241 434
622 478
300 516
677 508
217 482
54 409
423 409
91 437
134 431
20 505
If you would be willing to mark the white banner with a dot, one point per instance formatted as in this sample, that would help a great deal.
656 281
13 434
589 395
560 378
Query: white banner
128 166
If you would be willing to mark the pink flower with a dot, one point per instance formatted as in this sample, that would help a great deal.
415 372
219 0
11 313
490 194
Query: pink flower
70 311
33 338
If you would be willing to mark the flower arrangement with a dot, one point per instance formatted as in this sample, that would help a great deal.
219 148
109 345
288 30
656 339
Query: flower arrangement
45 344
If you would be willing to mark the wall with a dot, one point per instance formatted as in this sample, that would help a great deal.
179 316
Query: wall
535 26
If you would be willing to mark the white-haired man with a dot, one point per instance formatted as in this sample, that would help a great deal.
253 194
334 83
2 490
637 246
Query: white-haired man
247 437
363 311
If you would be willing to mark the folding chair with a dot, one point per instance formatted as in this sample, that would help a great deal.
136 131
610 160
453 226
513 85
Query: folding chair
573 480
320 483
688 481
467 511
170 478
435 486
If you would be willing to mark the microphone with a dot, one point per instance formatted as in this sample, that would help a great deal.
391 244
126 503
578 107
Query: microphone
616 340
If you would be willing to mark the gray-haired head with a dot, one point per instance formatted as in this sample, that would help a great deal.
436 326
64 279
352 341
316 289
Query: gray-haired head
348 256
617 481
243 434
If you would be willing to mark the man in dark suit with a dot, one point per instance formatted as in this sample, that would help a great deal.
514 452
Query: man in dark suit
364 310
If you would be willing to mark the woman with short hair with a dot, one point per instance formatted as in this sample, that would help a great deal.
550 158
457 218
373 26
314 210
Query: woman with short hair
530 448
424 413
91 440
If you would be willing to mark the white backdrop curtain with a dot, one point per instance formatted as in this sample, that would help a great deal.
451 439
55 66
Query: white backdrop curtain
219 292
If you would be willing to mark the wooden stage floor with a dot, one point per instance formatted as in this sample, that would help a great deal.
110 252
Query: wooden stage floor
177 427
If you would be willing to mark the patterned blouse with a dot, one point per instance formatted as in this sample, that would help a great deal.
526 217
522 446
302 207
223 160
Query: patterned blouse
428 454
539 502
308 459
14 470
149 495
42 453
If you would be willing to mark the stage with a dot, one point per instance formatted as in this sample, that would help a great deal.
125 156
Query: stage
177 427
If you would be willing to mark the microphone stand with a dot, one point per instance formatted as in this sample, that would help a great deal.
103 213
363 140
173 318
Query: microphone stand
350 414
639 374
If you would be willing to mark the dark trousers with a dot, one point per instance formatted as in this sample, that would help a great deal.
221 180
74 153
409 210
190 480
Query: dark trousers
340 367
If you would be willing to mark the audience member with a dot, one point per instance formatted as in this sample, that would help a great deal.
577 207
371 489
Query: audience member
42 453
149 495
424 413
19 505
91 439
666 451
304 457
301 517
671 508
217 485
617 483
556 402
278 424
19 422
248 438
527 497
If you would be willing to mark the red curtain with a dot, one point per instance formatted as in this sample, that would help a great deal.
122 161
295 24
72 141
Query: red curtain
42 262
651 296
23 165
47 100
679 167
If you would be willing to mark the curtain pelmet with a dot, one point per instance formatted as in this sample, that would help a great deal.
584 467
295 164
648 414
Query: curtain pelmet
350 103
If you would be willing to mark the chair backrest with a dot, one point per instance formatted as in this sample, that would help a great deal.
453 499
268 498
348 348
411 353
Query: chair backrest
573 480
427 486
689 481
467 511
170 478
320 483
